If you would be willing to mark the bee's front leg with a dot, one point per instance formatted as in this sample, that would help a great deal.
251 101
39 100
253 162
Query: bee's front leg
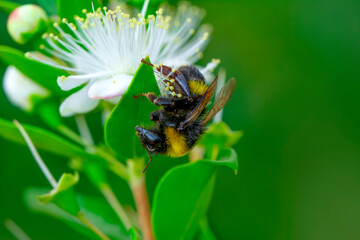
158 101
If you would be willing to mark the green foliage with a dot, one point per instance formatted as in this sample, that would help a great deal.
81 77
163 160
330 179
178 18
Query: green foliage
44 140
63 194
183 195
129 112
48 5
220 134
133 234
69 8
7 7
95 209
44 75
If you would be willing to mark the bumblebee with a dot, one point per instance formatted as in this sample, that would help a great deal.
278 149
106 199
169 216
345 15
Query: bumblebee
182 118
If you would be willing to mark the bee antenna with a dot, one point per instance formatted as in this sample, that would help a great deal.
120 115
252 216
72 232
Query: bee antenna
143 61
147 165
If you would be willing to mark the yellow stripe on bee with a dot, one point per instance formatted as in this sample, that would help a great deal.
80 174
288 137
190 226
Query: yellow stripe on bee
176 143
197 87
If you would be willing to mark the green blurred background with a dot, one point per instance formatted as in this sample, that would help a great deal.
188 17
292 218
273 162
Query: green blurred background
297 65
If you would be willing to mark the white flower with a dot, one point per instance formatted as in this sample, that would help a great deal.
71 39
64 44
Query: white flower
106 47
25 22
22 91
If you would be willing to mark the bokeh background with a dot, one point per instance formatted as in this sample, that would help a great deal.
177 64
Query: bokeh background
297 65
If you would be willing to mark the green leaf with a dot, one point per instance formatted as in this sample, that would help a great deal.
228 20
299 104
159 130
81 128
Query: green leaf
44 140
69 8
129 112
205 232
63 194
183 195
95 209
41 73
133 234
48 5
7 7
221 135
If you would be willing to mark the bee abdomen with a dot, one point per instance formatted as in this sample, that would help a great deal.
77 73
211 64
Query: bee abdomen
176 142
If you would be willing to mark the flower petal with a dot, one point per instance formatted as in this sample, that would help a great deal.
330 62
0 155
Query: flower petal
20 90
78 103
111 87
73 81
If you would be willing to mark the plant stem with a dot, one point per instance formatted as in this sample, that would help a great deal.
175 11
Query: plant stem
91 226
36 155
115 204
84 130
15 230
138 188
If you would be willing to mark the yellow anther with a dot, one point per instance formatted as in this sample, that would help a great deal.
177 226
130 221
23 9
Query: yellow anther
167 83
56 38
51 35
192 31
173 70
173 93
188 20
64 20
161 64
172 80
27 54
171 88
56 25
45 35
114 82
167 89
139 15
42 46
92 24
105 8
155 66
206 36
119 20
179 95
84 11
118 7
217 61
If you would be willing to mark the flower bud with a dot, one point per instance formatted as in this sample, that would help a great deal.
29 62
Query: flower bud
22 91
25 22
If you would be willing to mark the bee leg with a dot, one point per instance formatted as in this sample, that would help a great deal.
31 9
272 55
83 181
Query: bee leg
151 96
155 115
148 163
147 135
158 101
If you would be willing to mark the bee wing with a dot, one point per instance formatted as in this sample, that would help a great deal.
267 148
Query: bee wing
221 100
195 113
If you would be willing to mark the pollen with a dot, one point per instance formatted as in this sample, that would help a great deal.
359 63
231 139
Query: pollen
171 88
179 95
64 20
172 80
173 94
173 70
27 54
56 25
217 61
167 89
206 36
188 20
168 83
